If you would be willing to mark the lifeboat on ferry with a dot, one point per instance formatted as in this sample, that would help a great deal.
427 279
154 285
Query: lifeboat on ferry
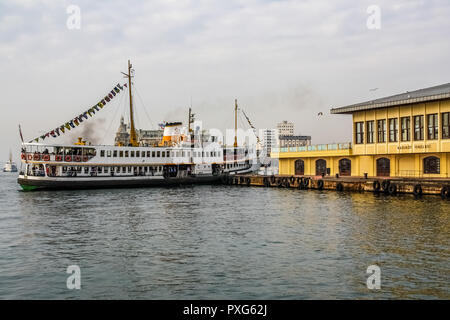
46 157
85 158
36 157
77 158
68 158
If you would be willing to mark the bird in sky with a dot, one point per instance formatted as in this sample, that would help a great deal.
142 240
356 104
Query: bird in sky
373 89
320 114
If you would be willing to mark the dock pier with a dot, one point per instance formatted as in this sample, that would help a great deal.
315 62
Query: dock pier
387 185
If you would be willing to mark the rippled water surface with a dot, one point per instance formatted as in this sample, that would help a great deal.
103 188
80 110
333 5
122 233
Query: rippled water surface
221 242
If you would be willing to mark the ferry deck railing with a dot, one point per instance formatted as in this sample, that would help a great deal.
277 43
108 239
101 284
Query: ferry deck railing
316 147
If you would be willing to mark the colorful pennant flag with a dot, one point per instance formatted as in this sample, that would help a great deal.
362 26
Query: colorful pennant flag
78 120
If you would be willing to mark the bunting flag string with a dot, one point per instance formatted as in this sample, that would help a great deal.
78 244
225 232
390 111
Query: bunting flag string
75 122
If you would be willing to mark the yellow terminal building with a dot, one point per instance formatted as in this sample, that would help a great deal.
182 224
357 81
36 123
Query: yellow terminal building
405 135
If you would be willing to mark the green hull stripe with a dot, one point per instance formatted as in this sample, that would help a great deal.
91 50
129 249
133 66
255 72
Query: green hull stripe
28 188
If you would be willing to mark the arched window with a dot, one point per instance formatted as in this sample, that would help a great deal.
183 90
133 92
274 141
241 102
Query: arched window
299 167
431 165
345 167
321 167
383 167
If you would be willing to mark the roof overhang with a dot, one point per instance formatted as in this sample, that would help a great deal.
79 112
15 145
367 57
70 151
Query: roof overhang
423 95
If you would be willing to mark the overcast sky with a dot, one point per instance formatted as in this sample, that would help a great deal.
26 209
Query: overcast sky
282 60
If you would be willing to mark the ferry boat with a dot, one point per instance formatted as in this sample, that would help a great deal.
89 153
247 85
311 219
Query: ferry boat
10 166
184 155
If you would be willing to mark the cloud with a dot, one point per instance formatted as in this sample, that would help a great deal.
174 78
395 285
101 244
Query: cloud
281 59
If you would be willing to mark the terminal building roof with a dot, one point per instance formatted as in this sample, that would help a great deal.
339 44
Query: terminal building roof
422 95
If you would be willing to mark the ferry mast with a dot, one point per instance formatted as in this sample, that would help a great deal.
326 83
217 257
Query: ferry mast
133 138
235 123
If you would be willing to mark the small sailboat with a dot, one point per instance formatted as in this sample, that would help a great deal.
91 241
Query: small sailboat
10 166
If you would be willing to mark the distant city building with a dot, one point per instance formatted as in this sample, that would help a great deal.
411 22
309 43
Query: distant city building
294 141
270 140
144 137
285 128
122 135
286 137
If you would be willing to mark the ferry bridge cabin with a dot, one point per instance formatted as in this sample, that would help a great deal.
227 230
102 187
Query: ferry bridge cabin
405 135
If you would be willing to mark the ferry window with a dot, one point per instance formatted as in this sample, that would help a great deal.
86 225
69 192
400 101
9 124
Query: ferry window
102 153
406 128
99 169
158 154
359 132
393 129
431 165
163 154
118 169
106 170
108 153
86 170
126 154
64 169
148 154
153 154
418 127
115 153
446 125
381 130
370 131
124 169
433 126
183 154
129 169
121 154
138 154
131 153
178 154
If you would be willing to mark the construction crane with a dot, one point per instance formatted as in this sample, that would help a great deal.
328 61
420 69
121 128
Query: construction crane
251 125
